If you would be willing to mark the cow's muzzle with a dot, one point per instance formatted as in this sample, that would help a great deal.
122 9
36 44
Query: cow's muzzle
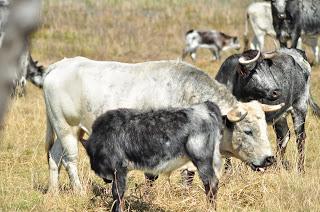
268 161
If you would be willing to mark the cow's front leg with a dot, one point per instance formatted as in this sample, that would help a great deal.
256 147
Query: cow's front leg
209 179
315 50
295 38
283 136
70 157
54 160
118 189
215 53
299 117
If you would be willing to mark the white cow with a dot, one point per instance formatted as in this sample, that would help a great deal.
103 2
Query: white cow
78 90
260 17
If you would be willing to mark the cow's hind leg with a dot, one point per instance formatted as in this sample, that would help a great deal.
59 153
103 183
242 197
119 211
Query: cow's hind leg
54 160
283 136
118 189
299 117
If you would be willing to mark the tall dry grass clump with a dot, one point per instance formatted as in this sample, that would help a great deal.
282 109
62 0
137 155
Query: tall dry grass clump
134 31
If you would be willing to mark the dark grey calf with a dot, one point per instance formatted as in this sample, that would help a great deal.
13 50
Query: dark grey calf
156 142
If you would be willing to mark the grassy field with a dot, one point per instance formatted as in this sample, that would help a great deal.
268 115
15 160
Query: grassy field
133 31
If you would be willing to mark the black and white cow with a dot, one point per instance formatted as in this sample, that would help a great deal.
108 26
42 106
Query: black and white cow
283 76
213 40
156 142
295 18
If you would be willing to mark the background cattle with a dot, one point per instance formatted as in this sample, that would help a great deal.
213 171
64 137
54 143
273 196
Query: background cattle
260 17
295 18
283 76
213 40
18 19
76 96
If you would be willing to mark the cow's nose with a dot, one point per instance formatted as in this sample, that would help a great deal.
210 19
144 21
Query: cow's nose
276 93
282 15
269 160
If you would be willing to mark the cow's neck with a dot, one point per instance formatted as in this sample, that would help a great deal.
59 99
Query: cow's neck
220 95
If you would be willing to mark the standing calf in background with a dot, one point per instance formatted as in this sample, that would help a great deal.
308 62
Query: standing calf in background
213 40
158 142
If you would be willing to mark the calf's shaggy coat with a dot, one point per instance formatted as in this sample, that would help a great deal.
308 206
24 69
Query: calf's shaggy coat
155 142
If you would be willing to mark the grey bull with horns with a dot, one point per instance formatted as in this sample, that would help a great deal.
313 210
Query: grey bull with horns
274 77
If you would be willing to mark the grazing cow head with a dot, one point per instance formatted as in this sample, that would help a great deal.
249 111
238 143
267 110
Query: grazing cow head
280 8
35 73
256 81
249 140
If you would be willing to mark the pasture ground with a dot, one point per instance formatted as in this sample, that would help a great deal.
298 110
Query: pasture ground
134 31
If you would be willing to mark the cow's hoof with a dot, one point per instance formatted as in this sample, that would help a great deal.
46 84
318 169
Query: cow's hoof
52 190
286 165
187 178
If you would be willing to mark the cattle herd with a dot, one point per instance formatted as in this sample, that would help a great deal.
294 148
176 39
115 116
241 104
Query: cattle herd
160 116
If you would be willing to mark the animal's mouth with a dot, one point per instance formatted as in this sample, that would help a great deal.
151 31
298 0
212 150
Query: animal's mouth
257 168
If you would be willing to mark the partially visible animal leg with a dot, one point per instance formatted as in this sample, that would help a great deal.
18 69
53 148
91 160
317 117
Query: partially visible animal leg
118 189
209 179
193 55
54 160
260 43
283 136
185 52
70 157
228 165
295 38
187 177
299 44
299 117
315 50
150 179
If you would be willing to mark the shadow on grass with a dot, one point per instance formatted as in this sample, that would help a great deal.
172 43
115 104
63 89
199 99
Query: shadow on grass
103 198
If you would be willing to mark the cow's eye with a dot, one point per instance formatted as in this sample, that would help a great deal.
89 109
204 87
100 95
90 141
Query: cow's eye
248 132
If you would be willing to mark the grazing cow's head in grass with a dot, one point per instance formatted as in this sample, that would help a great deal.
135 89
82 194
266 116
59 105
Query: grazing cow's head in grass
246 128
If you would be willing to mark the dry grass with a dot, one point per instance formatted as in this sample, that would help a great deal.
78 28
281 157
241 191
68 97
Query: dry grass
137 31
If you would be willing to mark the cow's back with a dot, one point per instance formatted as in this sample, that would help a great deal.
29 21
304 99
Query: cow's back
78 90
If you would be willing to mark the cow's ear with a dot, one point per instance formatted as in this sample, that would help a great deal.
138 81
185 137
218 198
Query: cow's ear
236 114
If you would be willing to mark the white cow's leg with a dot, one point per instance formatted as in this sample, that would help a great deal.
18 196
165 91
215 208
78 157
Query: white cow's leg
55 158
194 55
299 44
315 50
260 44
70 157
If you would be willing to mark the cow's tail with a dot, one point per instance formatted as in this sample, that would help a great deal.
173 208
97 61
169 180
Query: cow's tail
245 34
314 107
